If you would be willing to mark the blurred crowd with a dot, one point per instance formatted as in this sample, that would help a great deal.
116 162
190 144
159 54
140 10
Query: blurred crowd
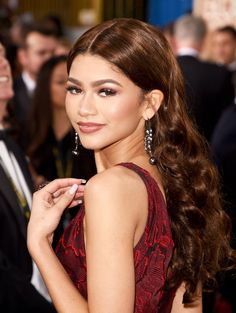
36 142
36 138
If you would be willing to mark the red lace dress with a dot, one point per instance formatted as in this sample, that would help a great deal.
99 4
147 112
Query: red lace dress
152 254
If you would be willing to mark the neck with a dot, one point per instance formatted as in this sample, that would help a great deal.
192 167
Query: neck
118 153
192 46
130 149
61 123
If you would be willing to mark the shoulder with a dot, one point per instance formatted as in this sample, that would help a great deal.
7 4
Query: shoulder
117 192
187 59
227 119
14 147
219 70
117 180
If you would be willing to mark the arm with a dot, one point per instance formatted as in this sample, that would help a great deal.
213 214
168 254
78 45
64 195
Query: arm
48 206
110 228
179 307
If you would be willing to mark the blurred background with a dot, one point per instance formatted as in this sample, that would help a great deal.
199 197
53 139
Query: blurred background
77 15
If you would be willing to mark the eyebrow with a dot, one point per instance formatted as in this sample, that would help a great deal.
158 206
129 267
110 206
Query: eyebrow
95 83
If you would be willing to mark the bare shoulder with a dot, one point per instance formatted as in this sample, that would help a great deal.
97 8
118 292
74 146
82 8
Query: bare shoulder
117 189
115 181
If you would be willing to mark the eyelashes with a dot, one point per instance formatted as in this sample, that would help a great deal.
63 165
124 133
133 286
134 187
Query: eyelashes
103 92
73 90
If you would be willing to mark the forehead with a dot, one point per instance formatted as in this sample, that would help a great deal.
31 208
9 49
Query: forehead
223 36
35 40
94 65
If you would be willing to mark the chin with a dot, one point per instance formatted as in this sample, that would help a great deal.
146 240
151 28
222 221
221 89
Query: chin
88 145
92 145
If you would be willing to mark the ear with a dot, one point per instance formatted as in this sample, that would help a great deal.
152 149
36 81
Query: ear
153 102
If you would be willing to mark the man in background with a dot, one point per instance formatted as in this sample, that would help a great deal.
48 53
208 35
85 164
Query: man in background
19 277
37 47
208 86
223 49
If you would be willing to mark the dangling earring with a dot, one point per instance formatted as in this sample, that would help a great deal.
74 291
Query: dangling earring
148 142
76 150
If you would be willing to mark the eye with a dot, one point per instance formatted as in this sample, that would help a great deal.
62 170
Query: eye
73 90
105 92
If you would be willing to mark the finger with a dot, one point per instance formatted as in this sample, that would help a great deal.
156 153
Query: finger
66 199
56 184
61 191
46 197
75 203
78 196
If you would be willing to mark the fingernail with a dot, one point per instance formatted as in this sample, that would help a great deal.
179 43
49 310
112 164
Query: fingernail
83 181
73 189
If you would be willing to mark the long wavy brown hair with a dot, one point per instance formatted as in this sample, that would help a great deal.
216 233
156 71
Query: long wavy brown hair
200 227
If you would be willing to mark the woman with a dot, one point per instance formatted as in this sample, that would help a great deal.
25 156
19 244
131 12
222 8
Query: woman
51 136
151 234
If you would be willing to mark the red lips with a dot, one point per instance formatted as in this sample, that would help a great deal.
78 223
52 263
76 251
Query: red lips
89 127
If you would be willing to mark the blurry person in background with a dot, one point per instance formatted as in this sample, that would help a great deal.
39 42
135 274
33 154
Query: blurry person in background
21 287
63 47
18 28
224 46
208 86
54 24
168 32
38 46
50 135
223 49
6 92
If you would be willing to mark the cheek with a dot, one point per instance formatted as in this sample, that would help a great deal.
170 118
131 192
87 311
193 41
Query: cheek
123 110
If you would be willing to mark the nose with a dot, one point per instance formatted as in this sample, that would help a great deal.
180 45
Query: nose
86 105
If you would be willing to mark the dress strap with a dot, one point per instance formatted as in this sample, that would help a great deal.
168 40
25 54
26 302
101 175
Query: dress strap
147 178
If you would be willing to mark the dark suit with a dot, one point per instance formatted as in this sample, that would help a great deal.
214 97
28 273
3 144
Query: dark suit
22 99
17 294
209 91
224 150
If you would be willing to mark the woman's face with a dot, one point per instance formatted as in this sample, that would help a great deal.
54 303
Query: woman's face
58 83
104 106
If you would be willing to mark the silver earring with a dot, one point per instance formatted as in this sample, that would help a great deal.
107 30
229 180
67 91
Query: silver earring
76 150
148 138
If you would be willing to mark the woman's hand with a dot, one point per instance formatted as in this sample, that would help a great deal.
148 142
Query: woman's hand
48 206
